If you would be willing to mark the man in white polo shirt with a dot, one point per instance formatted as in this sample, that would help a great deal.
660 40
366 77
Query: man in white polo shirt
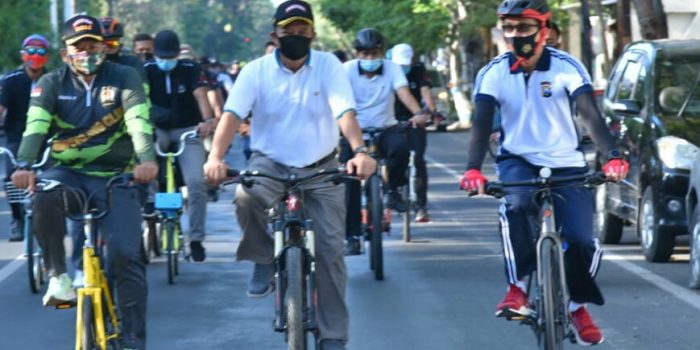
535 87
298 98
374 81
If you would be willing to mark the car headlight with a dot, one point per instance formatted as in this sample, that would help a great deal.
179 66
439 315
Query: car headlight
676 152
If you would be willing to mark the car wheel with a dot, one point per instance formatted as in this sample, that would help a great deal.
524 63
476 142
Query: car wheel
656 245
695 249
608 227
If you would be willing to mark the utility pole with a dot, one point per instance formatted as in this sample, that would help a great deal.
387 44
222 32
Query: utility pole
68 9
54 22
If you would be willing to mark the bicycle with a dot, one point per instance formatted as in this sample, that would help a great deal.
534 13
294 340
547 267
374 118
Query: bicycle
294 254
170 204
35 258
97 322
549 320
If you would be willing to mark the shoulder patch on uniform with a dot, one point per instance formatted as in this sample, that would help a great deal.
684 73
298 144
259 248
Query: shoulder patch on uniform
107 95
36 92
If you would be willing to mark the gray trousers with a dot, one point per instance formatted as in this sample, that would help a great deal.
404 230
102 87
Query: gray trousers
191 163
324 203
121 230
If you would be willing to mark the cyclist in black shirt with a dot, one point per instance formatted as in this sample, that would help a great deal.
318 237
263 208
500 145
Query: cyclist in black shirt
418 83
14 99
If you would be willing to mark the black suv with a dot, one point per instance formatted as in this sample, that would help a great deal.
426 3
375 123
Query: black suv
652 107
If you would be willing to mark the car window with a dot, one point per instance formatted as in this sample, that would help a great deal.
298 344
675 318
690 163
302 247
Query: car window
627 84
674 80
639 92
615 78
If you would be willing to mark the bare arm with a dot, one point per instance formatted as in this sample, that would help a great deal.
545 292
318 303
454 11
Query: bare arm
407 99
200 94
361 164
216 101
223 136
428 98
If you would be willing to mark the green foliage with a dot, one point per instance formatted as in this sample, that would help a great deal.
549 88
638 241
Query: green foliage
19 19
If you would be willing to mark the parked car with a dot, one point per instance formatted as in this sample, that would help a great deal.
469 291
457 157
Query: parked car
693 212
652 107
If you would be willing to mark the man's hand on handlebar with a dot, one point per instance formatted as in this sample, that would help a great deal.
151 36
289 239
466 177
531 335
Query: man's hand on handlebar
362 165
419 120
215 171
206 127
473 181
146 172
24 179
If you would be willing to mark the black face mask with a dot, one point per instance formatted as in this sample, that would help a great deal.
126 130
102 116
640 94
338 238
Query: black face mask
112 57
524 46
294 47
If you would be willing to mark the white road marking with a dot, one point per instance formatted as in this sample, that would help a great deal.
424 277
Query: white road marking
11 267
689 297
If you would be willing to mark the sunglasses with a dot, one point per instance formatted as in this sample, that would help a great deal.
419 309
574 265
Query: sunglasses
520 27
112 44
35 51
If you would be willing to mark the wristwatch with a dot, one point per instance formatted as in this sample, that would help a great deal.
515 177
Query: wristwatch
361 149
23 165
615 154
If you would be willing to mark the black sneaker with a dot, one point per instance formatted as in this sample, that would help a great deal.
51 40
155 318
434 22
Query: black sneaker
198 252
395 201
352 246
16 231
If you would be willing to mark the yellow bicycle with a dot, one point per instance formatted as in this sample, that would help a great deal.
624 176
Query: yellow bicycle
97 323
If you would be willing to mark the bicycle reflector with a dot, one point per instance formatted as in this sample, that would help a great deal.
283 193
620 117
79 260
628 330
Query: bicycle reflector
293 203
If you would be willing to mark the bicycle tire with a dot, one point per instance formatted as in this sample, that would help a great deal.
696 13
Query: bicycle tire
145 243
88 339
295 299
155 237
553 310
406 230
169 251
376 218
33 265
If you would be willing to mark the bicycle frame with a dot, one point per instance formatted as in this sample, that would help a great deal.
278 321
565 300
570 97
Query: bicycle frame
97 287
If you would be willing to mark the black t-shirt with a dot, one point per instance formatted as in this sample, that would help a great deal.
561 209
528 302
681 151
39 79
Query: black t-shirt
132 61
174 90
14 96
417 78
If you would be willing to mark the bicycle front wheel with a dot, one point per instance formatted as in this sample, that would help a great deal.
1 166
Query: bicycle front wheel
376 216
295 298
88 338
170 250
553 311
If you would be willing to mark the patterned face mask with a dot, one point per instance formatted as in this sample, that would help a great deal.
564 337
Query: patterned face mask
86 64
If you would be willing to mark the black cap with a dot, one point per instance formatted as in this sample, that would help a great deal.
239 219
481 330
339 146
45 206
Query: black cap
166 44
293 10
80 27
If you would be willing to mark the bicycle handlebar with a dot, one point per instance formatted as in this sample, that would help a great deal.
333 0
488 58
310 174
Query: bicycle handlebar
181 146
246 176
497 188
13 160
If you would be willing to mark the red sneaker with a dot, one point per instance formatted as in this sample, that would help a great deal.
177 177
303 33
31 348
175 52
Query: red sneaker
586 332
514 304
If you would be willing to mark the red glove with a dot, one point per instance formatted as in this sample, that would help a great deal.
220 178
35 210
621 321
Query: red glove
616 169
472 180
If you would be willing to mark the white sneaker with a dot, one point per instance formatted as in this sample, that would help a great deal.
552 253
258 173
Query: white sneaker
60 290
79 279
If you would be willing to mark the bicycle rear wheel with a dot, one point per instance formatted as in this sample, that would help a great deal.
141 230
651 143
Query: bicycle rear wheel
553 311
295 298
376 216
88 339
406 232
34 263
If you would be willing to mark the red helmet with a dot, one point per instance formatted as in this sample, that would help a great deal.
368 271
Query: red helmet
535 9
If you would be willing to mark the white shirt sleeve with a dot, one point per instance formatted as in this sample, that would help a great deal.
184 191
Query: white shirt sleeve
574 76
242 96
398 79
338 88
487 82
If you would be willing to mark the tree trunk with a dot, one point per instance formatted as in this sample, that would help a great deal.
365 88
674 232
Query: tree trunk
623 28
652 19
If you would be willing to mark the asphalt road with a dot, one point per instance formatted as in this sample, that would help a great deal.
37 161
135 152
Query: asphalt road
440 290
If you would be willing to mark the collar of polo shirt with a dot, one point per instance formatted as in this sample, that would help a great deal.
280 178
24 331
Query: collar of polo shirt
308 61
542 64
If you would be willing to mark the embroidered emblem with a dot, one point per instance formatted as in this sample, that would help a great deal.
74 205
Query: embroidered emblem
107 95
36 92
546 89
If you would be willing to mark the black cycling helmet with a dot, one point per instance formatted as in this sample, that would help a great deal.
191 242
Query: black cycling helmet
536 9
368 39
111 28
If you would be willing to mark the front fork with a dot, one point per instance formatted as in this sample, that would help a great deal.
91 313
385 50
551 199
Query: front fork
309 240
96 287
548 232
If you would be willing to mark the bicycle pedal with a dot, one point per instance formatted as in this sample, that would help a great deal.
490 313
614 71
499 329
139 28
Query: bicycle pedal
67 305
